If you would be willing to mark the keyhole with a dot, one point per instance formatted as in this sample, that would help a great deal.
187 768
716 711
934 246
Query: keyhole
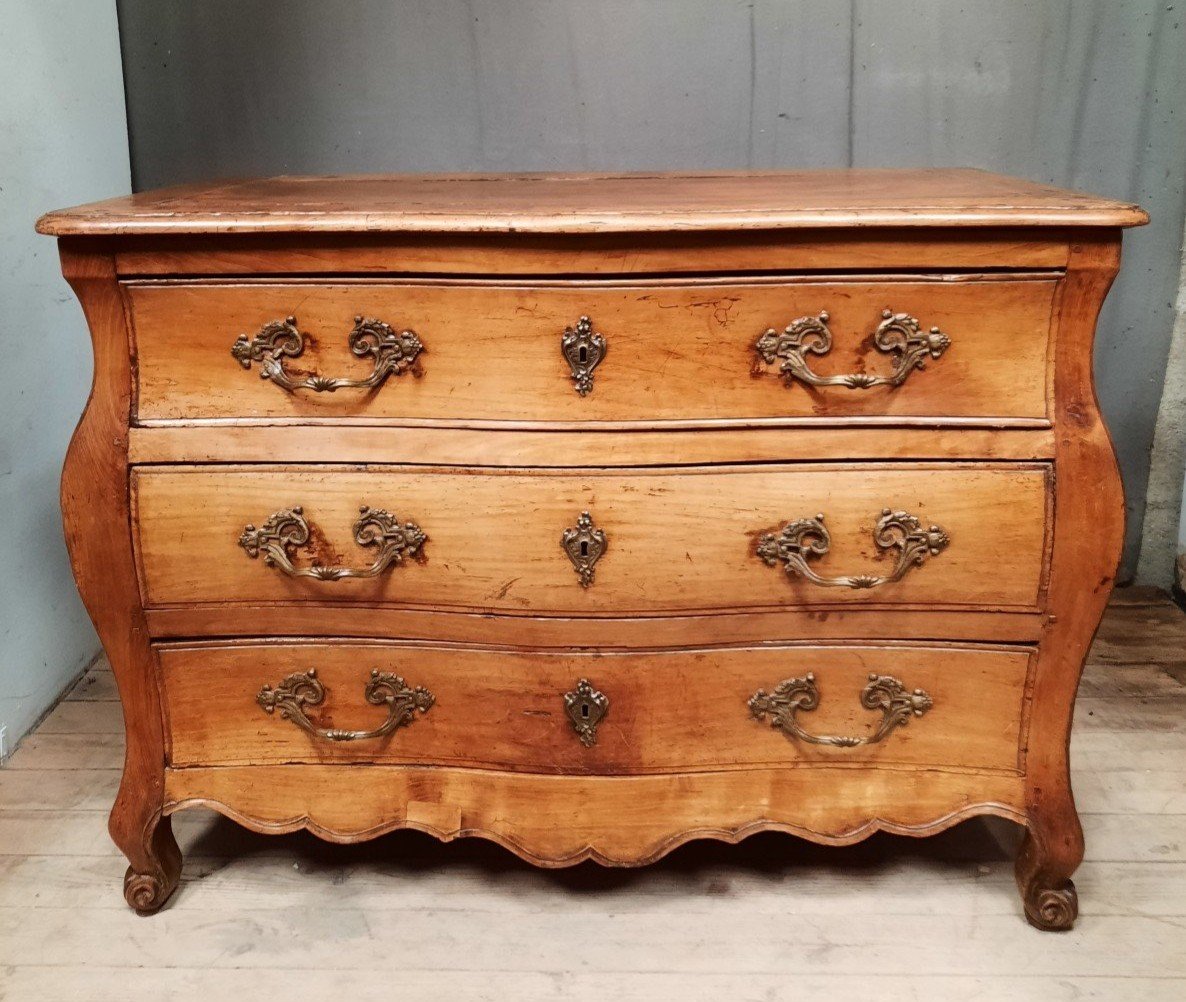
584 548
583 354
585 711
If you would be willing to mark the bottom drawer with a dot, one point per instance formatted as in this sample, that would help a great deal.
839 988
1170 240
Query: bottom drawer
902 704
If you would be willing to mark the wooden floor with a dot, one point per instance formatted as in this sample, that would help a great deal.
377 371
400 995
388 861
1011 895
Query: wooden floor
290 918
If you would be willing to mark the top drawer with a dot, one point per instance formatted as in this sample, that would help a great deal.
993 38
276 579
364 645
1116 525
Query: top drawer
693 353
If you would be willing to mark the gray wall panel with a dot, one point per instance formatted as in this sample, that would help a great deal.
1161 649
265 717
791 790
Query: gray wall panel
1080 92
62 141
1088 95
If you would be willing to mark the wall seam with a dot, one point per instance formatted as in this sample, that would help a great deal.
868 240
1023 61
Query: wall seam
123 72
1158 548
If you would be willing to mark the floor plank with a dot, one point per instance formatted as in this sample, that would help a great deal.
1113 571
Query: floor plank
195 984
97 685
68 751
666 939
58 789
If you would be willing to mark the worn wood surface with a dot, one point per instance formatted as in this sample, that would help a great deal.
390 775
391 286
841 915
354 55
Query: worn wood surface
675 352
677 539
324 443
682 538
1089 502
558 821
668 711
291 917
580 203
364 620
657 253
97 521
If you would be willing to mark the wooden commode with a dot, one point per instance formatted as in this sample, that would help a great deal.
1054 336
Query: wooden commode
592 514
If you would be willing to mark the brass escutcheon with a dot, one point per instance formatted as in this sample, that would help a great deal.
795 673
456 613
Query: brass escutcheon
586 708
583 348
584 544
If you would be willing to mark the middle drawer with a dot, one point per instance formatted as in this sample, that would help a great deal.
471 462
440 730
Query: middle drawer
589 542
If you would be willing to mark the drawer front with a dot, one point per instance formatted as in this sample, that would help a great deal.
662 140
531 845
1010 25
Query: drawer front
655 541
674 352
932 706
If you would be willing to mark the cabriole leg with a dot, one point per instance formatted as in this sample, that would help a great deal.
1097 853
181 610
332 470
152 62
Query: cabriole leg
97 520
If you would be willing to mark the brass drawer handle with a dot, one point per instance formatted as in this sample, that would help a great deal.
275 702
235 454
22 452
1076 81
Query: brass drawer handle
586 708
393 354
883 692
305 689
287 529
898 334
809 537
583 348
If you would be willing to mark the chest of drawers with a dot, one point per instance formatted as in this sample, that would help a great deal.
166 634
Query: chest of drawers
594 514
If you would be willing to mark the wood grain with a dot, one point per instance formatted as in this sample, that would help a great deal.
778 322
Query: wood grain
999 442
668 711
584 203
97 520
615 820
657 253
1089 502
365 620
326 443
675 352
678 540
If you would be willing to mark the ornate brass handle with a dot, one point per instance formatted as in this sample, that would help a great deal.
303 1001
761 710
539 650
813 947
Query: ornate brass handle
393 354
583 348
898 334
884 693
287 529
586 708
809 537
305 689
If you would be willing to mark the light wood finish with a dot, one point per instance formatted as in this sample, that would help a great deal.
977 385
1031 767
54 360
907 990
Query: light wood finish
237 443
668 711
601 253
1089 503
679 353
595 203
688 460
97 520
828 622
678 540
289 917
614 820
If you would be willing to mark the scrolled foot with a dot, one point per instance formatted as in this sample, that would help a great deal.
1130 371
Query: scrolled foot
156 867
146 892
1053 909
1045 862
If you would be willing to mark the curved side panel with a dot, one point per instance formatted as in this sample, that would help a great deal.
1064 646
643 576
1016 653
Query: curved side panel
98 535
616 821
1088 536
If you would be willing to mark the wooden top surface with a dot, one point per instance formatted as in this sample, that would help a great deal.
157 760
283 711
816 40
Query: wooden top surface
583 203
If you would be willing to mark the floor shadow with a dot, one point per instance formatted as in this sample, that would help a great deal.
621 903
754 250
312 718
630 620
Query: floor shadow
772 855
